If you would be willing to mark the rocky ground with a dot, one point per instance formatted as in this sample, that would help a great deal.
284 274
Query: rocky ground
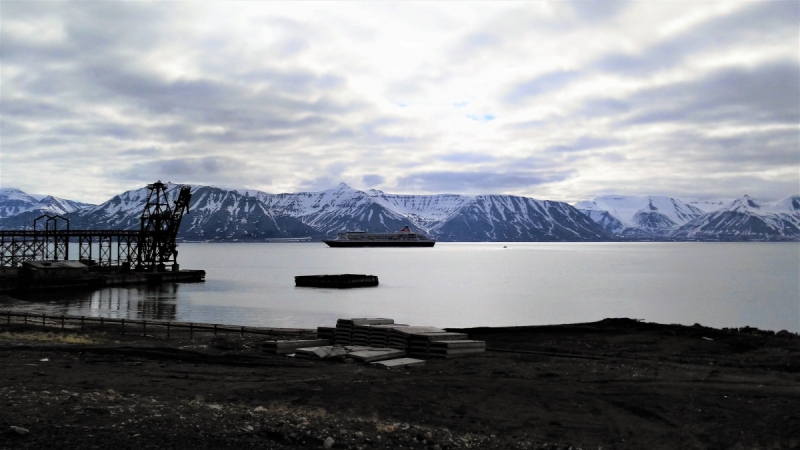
613 384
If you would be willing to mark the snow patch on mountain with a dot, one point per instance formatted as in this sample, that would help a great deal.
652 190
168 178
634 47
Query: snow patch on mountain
787 205
424 211
746 218
14 202
654 212
710 205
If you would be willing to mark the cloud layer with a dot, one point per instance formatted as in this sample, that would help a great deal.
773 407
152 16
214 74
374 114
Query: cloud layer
553 100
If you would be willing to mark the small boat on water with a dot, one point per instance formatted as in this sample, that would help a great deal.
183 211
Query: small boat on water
402 238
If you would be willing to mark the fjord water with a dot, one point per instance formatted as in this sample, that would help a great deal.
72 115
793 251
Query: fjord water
467 285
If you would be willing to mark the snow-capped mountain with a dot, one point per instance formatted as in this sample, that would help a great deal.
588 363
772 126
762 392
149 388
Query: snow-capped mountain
238 214
218 214
14 202
511 218
214 214
445 217
605 219
654 214
335 210
746 218
690 219
708 205
424 211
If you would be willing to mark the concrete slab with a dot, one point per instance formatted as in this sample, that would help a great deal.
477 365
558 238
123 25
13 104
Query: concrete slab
430 337
457 344
399 362
328 351
451 352
377 354
285 347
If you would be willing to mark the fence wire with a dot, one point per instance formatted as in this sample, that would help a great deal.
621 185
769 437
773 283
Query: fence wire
145 328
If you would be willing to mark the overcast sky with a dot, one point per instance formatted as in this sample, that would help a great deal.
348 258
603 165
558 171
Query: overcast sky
553 100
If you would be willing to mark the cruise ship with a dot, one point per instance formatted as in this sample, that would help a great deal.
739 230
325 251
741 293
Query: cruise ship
402 238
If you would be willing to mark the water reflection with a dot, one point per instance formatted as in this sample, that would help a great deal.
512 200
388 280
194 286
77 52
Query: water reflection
463 285
131 302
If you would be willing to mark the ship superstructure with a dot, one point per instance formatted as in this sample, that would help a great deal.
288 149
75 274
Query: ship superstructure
402 238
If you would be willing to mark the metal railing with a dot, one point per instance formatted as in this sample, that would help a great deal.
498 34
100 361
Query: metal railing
141 327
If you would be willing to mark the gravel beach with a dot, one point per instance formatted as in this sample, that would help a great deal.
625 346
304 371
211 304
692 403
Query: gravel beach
617 383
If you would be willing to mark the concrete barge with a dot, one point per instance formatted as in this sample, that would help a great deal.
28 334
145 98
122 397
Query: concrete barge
336 281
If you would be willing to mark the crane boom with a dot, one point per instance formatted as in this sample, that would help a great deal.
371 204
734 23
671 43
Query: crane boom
159 227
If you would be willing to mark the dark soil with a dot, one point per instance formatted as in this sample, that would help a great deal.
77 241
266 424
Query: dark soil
615 384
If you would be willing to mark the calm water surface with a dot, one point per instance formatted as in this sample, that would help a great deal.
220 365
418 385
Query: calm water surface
468 284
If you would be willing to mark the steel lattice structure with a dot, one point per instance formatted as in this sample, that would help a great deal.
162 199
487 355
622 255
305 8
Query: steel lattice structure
152 246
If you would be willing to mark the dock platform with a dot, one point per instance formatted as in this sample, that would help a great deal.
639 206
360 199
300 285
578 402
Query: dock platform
13 281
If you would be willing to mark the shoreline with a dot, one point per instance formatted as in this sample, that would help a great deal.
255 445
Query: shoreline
645 385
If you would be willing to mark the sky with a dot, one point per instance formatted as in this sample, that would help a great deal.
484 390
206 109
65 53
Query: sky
557 100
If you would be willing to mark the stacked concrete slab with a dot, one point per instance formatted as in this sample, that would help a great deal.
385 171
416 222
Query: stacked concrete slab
379 334
360 334
345 327
421 342
400 338
326 333
380 339
455 349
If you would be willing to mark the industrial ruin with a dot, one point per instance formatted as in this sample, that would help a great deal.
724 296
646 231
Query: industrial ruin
40 258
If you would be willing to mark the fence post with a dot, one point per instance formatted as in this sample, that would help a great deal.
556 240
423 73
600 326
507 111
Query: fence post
101 323
123 326
43 316
167 330
144 328
191 332
242 331
81 324
215 329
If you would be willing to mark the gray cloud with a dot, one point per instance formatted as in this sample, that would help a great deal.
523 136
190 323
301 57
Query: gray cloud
470 158
152 151
477 182
754 150
189 170
372 180
542 84
136 91
318 184
584 143
597 11
766 94
758 22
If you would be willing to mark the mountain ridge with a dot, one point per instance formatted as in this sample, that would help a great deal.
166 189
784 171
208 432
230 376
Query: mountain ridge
237 214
